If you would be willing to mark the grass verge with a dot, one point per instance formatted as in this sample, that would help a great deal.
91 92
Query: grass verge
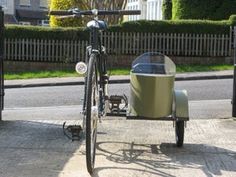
118 71
39 74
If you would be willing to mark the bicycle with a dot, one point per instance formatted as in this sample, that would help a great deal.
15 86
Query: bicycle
96 78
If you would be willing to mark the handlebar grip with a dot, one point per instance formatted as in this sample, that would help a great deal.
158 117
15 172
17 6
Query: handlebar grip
130 12
60 12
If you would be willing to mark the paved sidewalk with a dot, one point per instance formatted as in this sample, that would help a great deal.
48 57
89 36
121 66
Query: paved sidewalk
113 79
124 149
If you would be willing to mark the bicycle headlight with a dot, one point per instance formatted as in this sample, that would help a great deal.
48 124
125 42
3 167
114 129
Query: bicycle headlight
81 68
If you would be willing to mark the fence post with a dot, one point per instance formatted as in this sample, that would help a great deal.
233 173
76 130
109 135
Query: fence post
1 62
234 79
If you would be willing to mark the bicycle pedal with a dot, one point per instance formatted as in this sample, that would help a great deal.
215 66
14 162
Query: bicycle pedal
72 132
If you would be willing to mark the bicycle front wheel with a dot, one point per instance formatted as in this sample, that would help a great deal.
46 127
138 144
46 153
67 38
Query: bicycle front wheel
91 113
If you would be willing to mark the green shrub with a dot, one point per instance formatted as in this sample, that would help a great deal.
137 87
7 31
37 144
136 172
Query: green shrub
203 9
65 5
167 9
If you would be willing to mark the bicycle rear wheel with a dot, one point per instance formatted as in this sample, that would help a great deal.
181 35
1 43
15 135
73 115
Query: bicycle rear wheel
91 113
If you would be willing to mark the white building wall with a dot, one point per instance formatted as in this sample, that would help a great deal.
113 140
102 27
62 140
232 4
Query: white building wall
8 6
133 5
143 8
150 9
154 9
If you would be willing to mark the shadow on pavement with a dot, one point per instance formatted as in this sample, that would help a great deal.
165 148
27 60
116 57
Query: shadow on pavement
34 148
160 159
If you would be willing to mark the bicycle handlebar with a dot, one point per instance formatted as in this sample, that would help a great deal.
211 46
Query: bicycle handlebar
94 12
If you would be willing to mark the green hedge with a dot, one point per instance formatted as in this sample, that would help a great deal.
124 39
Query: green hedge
13 31
179 26
232 20
203 9
165 26
167 9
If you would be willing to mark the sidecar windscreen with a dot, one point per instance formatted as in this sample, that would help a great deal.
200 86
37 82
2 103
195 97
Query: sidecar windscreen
153 63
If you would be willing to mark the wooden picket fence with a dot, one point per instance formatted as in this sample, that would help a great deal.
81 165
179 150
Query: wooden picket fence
70 51
42 50
169 44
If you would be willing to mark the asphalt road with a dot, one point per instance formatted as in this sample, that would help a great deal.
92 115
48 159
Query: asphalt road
72 95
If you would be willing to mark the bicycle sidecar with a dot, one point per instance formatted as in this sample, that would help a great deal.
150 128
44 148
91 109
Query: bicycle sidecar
153 96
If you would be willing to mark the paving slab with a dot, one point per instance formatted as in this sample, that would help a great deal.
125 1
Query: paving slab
124 149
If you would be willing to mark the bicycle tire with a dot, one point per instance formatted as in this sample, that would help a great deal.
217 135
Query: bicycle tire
91 119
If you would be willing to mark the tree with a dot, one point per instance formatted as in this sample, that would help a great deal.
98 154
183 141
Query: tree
85 5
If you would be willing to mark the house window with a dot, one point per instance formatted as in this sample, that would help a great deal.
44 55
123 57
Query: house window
43 3
25 2
3 3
